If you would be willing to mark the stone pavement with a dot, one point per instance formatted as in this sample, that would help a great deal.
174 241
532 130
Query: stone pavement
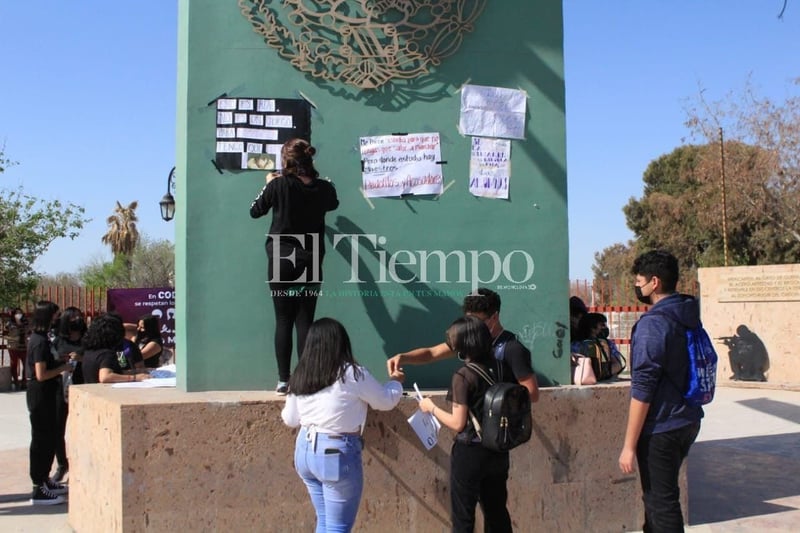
744 471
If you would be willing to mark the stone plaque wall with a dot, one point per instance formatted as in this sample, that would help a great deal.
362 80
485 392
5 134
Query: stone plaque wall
751 313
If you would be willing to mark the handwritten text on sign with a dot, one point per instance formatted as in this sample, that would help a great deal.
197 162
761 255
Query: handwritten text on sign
490 167
394 165
492 112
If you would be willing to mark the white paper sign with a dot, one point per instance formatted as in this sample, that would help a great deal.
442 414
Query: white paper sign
425 425
492 112
394 165
425 428
490 167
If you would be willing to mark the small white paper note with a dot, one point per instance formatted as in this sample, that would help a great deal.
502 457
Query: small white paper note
425 425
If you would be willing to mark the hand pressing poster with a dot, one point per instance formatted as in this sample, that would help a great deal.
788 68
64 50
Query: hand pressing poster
492 112
394 165
490 167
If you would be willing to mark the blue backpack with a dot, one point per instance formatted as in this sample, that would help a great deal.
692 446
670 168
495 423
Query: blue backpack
702 367
702 372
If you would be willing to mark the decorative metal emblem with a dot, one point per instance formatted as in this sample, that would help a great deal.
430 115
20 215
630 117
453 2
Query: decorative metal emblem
364 43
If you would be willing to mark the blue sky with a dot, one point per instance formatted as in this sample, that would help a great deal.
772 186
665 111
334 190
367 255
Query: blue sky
87 101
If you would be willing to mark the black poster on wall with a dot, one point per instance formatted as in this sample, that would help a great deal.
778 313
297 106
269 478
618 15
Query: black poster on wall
251 131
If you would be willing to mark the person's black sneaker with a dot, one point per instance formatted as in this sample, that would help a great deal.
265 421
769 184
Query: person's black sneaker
61 471
55 488
282 389
44 496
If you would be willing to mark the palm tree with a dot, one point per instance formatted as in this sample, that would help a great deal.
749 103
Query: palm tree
122 235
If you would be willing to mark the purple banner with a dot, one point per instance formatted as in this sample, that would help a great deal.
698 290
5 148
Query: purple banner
132 304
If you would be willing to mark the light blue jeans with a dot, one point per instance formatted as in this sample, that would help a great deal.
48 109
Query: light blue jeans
330 466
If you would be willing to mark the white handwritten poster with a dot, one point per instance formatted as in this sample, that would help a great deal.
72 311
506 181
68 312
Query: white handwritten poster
394 165
492 112
490 167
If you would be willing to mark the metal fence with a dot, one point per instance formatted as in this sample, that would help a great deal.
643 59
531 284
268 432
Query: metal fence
89 300
616 300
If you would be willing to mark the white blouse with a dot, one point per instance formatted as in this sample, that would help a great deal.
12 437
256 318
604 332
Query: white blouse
342 407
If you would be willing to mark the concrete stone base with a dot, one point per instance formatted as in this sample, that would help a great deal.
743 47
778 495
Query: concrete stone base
5 379
164 460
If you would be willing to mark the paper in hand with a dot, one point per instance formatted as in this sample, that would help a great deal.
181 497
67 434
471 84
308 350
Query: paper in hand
425 425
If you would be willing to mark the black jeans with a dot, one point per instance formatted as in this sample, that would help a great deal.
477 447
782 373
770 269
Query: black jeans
62 410
478 475
41 398
292 310
660 456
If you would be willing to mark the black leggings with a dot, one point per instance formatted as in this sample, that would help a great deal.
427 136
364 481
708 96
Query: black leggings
292 310
62 411
41 399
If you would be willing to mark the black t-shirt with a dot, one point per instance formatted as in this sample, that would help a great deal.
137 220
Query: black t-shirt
154 361
468 388
515 357
39 351
94 360
298 209
62 347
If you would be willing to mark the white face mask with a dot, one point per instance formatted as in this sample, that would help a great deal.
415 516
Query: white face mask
18 316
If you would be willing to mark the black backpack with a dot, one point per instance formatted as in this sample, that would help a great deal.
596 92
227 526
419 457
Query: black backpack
505 421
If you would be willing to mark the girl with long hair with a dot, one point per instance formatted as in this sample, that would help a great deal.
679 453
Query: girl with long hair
328 397
103 346
295 246
67 347
44 373
477 474
149 340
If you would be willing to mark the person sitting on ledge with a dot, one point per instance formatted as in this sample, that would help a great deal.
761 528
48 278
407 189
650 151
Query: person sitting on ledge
102 342
593 342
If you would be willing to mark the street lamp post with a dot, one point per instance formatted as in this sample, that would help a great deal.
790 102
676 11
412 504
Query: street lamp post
167 202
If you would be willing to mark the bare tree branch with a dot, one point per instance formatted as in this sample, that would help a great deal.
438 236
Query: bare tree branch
783 9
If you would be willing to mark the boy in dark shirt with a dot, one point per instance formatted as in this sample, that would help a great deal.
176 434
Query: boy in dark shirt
514 356
661 426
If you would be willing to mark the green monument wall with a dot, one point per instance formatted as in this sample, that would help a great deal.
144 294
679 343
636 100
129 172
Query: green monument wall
396 269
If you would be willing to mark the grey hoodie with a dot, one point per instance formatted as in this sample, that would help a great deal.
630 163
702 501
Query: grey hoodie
660 363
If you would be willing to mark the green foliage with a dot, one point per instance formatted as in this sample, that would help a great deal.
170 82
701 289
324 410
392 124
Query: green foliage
27 227
151 264
106 275
613 283
4 162
62 279
681 209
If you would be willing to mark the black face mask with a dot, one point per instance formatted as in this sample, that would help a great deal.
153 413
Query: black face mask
641 297
603 333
